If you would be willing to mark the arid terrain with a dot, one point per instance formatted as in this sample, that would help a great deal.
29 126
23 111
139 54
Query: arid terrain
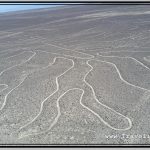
78 74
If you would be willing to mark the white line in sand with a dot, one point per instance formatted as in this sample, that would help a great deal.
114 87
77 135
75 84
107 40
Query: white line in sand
57 88
14 55
130 123
64 54
20 63
121 75
90 56
5 52
5 98
59 113
94 95
122 80
9 35
6 86
125 51
13 49
127 57
11 68
107 63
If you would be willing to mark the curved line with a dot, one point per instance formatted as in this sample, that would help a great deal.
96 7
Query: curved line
94 95
58 109
5 98
57 88
127 57
56 119
20 63
59 113
6 86
121 75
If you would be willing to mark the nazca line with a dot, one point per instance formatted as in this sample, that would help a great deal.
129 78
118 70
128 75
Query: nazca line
94 95
59 113
14 50
130 123
63 54
57 117
124 51
99 102
5 98
12 67
57 88
34 53
20 63
120 73
107 35
9 35
107 63
91 56
6 86
14 55
127 57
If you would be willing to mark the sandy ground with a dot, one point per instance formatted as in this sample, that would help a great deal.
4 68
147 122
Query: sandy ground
75 75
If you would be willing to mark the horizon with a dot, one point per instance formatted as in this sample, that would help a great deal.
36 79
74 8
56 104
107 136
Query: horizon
13 8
